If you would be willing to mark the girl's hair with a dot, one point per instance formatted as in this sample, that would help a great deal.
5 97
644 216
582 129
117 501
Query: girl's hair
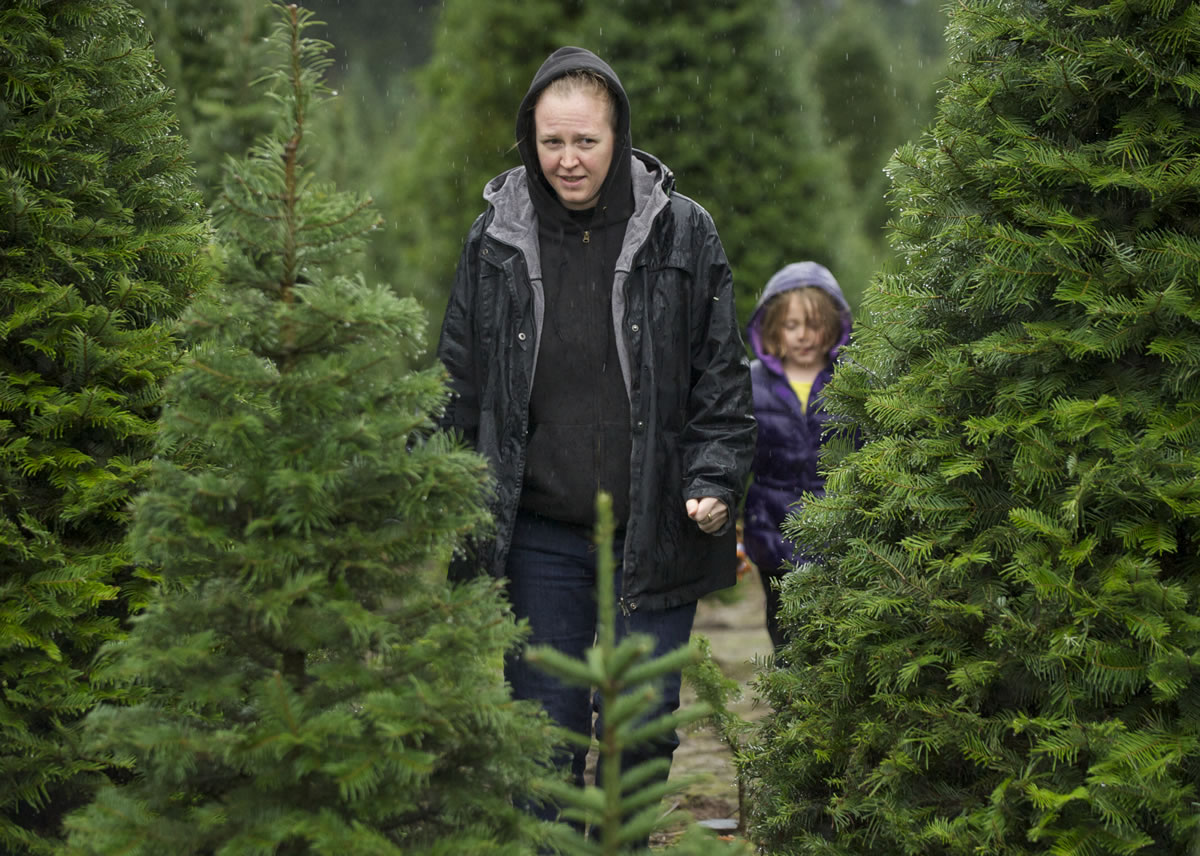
587 81
819 309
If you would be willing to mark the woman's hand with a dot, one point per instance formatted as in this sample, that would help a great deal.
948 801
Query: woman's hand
709 513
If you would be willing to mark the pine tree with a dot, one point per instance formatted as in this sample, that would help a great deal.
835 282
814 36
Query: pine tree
315 685
618 814
101 247
998 652
718 94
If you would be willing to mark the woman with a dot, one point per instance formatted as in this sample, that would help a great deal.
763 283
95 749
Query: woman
592 344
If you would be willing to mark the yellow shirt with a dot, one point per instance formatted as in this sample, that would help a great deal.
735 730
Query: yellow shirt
803 391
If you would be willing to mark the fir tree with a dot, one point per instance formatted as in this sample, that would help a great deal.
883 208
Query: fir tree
617 815
101 246
718 95
998 653
315 686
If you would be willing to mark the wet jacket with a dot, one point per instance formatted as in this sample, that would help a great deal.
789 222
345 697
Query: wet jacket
789 437
682 363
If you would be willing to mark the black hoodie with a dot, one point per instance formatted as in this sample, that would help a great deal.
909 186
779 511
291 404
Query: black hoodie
579 410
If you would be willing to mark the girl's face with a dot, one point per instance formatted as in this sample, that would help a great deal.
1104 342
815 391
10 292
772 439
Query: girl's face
574 136
803 342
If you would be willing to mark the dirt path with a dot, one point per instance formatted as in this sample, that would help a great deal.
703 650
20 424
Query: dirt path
735 626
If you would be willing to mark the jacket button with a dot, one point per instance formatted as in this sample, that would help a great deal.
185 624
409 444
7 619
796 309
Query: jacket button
521 336
635 328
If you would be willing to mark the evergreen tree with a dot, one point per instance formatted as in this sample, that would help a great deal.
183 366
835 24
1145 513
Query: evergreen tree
211 52
314 686
717 93
102 246
618 814
998 651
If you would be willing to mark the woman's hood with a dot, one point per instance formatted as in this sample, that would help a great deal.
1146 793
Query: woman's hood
616 192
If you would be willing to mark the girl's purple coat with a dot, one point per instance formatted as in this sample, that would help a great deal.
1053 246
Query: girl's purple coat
789 439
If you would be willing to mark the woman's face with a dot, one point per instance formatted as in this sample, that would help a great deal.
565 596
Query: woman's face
575 136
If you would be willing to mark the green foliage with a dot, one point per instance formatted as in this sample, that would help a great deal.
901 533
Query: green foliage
718 94
998 651
622 809
313 686
102 246
212 52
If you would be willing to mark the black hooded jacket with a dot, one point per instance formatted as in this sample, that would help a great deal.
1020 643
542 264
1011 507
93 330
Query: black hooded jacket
682 365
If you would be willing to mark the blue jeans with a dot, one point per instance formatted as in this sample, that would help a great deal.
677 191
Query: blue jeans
552 582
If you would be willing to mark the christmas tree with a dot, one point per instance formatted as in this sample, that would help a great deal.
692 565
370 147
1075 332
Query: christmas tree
996 650
315 686
102 245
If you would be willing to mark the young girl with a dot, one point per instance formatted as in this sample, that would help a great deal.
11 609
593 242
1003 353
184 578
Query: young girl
800 323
